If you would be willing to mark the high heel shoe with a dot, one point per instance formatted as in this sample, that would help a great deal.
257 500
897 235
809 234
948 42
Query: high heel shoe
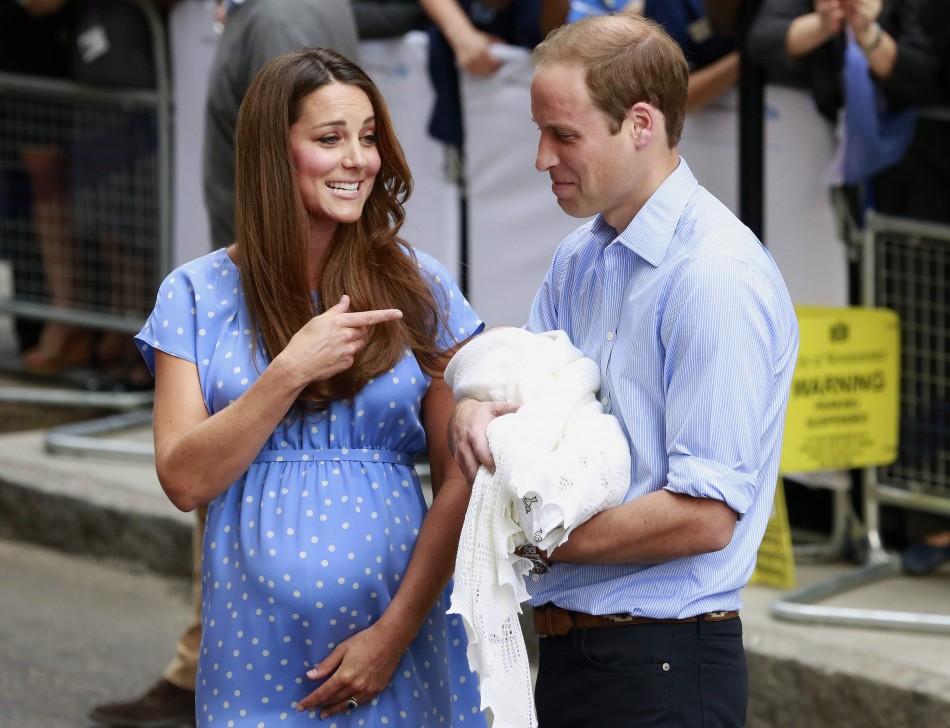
49 358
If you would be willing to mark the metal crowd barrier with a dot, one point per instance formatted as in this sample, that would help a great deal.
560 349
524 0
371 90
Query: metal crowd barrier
90 245
908 272
906 265
814 548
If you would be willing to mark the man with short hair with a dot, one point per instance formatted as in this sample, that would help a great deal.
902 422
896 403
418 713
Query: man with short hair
696 338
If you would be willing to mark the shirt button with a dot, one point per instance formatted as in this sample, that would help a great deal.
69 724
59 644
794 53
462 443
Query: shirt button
535 577
610 336
666 667
605 401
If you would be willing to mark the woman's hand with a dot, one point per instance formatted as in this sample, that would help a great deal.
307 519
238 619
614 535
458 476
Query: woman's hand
832 16
473 53
811 30
328 343
359 667
862 16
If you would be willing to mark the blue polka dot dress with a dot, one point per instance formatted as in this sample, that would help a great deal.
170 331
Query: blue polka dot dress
309 546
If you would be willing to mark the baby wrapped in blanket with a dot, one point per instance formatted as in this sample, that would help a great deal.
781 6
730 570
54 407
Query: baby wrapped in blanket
558 460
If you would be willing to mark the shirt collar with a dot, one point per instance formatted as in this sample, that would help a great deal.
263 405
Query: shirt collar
649 233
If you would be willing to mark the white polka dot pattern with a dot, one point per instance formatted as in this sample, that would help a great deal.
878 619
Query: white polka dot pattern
310 545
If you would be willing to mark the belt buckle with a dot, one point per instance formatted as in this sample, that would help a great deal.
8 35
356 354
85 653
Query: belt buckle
619 618
715 615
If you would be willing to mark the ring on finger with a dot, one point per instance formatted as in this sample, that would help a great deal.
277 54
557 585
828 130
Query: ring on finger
352 703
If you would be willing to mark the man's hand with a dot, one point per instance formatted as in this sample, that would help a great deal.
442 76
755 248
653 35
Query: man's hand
468 434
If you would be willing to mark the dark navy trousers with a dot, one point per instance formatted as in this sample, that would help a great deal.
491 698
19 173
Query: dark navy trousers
682 675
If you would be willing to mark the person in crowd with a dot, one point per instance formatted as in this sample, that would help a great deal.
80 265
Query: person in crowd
724 15
918 185
298 373
377 19
870 65
35 38
696 338
713 58
803 42
254 32
461 35
97 241
116 230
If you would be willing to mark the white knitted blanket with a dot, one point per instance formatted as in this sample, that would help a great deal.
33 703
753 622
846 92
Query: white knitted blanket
558 460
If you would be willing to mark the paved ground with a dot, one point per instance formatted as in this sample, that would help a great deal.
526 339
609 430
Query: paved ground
801 674
76 632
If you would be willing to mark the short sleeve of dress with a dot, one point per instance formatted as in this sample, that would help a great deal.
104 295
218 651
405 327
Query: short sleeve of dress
461 321
171 325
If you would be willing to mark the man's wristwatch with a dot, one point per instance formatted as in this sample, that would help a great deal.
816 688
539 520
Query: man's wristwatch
539 564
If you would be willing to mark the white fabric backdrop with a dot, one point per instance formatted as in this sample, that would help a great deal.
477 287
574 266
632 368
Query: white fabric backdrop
800 230
191 46
514 222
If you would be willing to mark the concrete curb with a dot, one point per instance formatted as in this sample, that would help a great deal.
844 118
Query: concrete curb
791 693
97 507
156 543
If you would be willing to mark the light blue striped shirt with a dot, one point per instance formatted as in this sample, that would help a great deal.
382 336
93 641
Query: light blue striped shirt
696 337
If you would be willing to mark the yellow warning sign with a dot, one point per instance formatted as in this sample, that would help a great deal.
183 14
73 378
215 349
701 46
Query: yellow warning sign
843 405
775 565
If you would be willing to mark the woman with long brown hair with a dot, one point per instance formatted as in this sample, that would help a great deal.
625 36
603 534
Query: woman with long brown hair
298 374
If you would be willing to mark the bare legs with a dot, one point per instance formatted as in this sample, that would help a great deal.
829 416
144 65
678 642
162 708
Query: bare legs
60 345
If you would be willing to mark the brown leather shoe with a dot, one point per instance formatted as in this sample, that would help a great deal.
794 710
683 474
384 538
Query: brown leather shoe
163 706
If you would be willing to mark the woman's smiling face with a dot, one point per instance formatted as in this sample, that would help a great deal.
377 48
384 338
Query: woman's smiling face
334 152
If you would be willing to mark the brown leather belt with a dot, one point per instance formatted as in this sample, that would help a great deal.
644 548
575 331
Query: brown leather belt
552 621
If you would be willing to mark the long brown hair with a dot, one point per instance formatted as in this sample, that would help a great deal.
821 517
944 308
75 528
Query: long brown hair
367 261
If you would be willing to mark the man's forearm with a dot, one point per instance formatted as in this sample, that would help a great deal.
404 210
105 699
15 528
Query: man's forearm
657 527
